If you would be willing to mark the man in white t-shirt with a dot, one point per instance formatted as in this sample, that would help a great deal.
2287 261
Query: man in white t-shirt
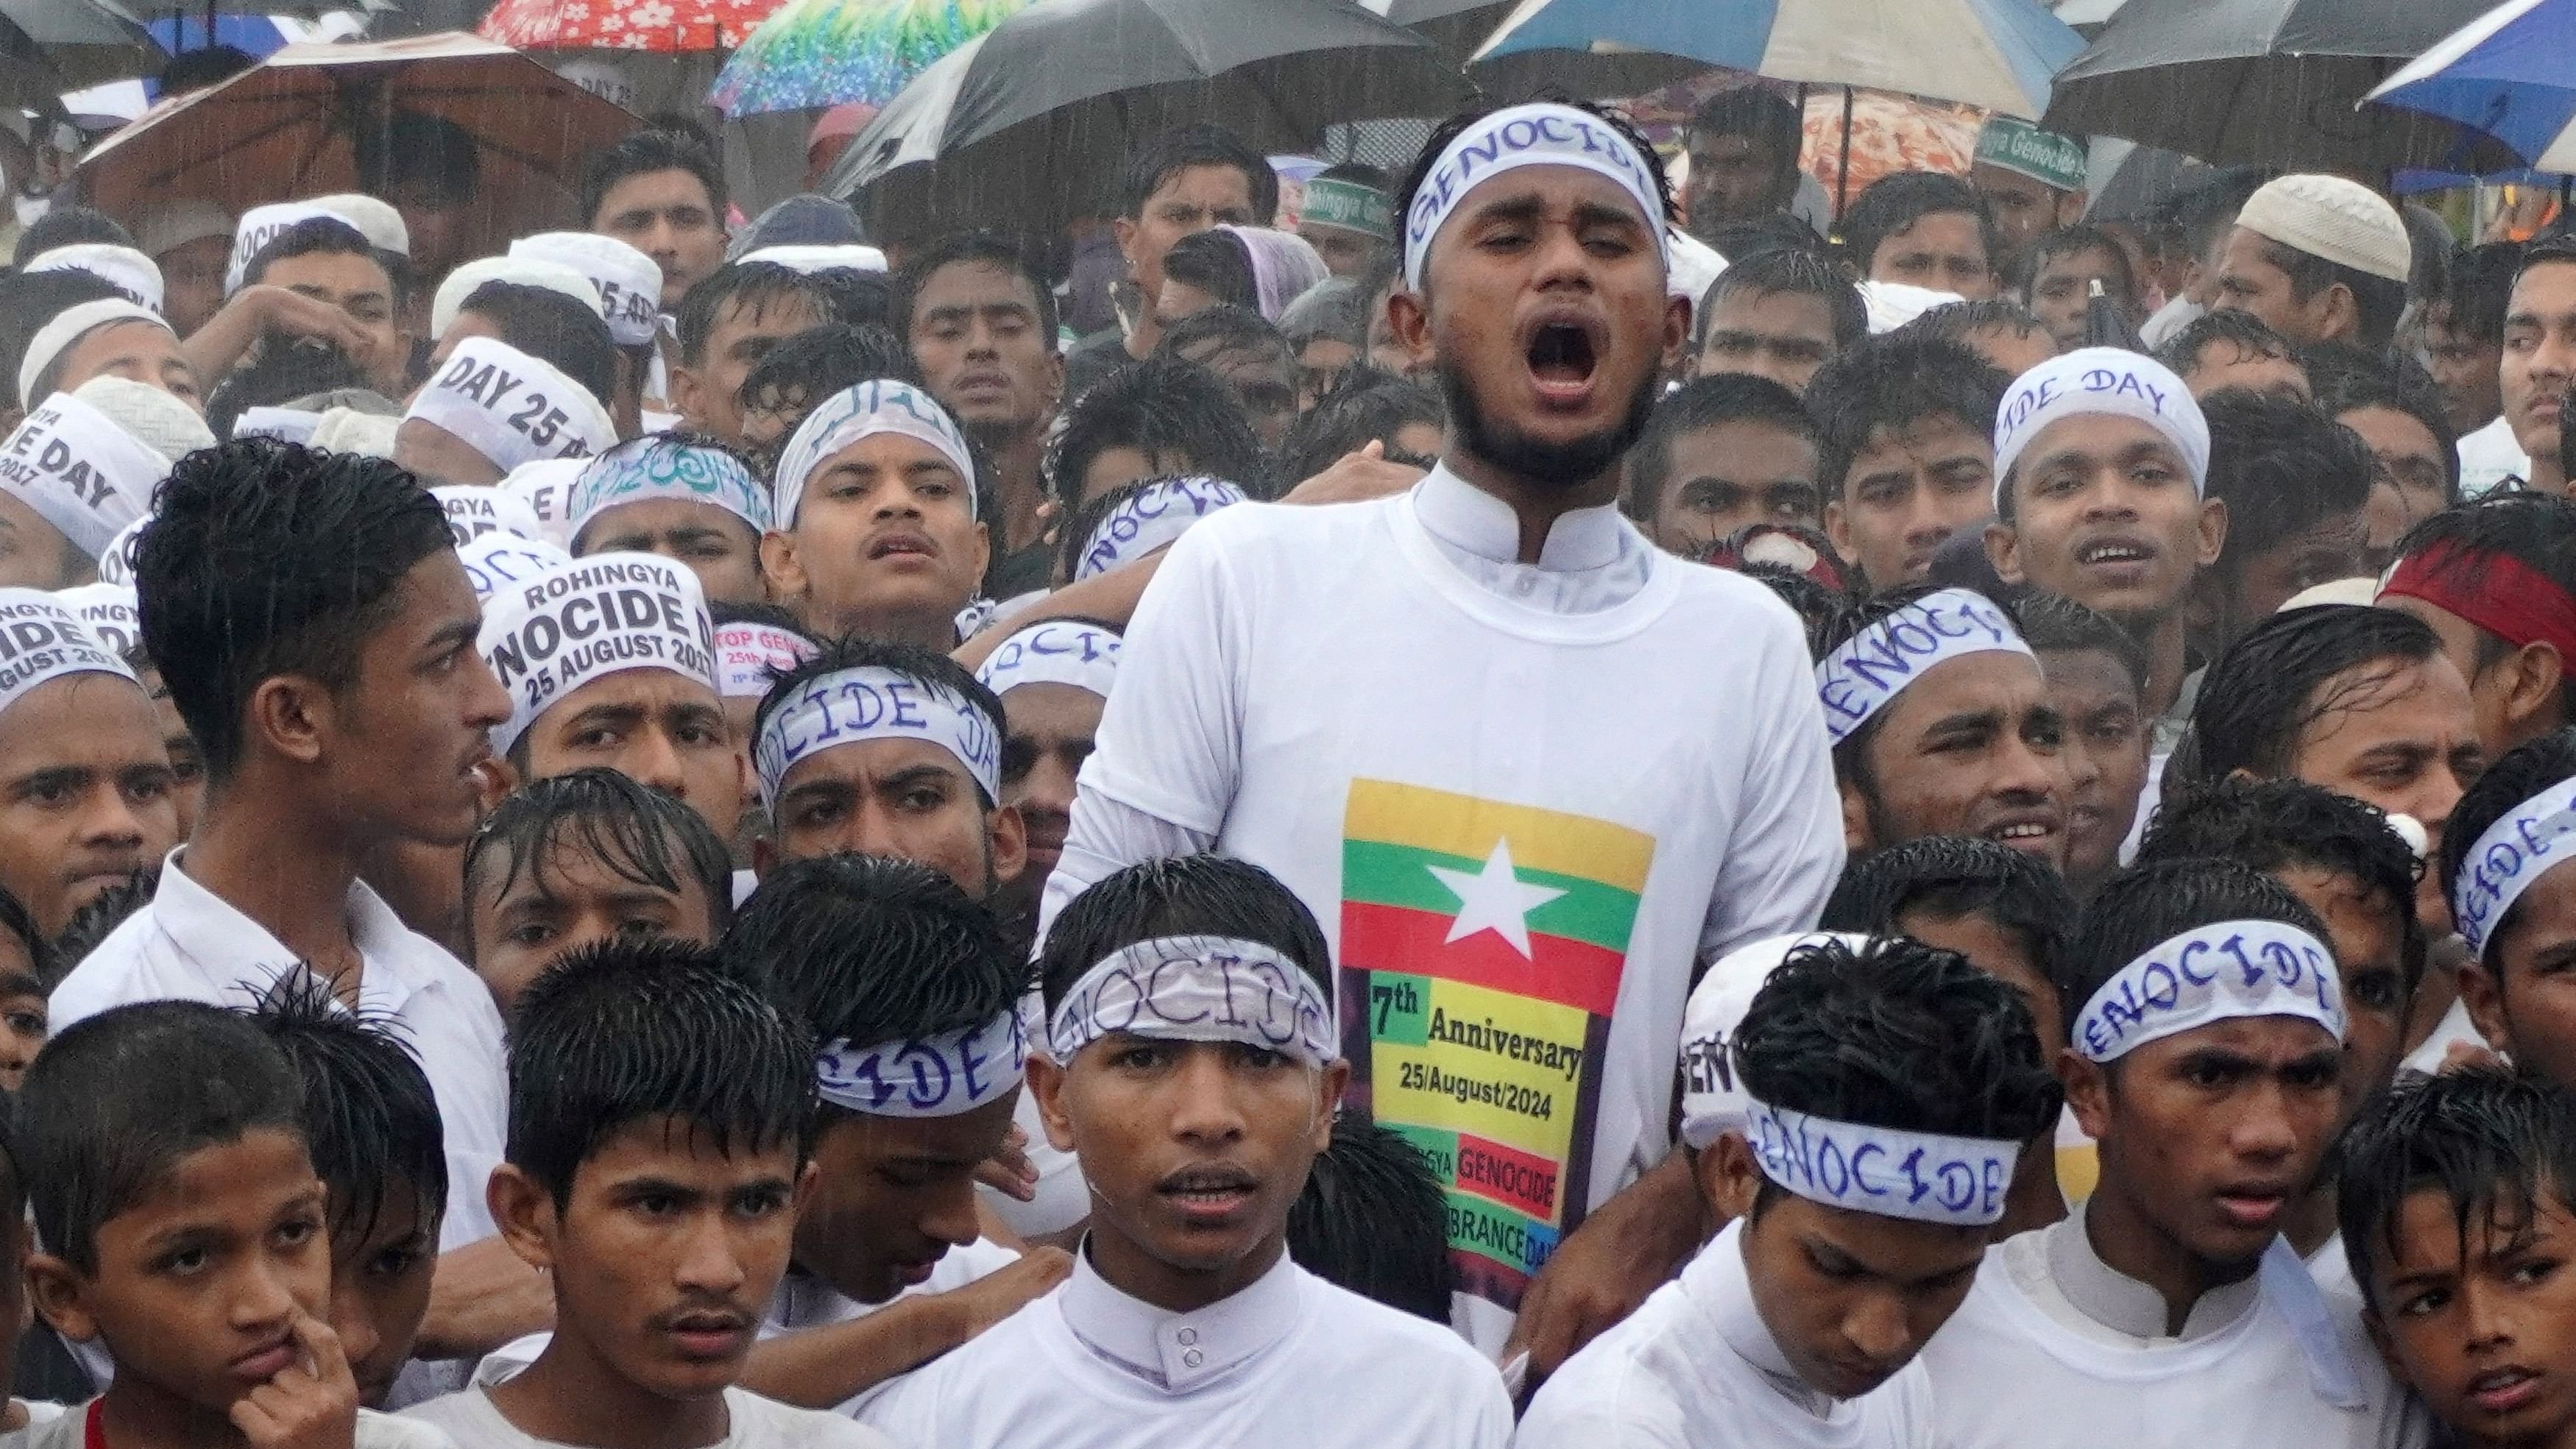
2168 1312
1859 1125
1468 746
1192 1060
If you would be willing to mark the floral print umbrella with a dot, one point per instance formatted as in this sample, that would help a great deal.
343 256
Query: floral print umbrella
825 52
660 25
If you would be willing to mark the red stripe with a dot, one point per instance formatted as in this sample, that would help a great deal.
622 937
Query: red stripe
1524 1182
1391 938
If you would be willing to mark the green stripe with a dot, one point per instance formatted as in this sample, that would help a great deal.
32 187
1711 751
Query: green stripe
1379 874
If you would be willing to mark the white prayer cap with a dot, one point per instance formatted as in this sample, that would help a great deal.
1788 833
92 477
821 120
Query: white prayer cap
124 268
79 471
809 257
1713 1101
512 408
1891 305
347 430
629 282
108 611
474 510
42 641
2333 591
2092 381
116 561
377 221
519 271
548 636
264 224
69 326
2343 222
172 225
546 484
157 419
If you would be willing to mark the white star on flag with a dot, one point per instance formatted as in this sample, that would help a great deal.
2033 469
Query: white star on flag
1494 899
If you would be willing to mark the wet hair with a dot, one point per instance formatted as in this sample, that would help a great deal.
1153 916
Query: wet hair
2498 1145
2522 772
2377 301
2282 468
268 558
1212 332
1215 262
856 298
1789 272
2054 625
1373 1219
95 922
319 236
2405 390
553 328
2250 335
927 667
1756 113
643 153
794 377
1167 154
1160 405
1367 406
414 148
1187 895
285 367
638 833
1741 241
871 949
1893 383
2138 910
17 921
1451 129
65 226
1821 610
1953 877
2068 241
751 287
29 300
115 1102
2275 825
1959 321
1708 402
1895 202
626 1031
2536 530
2265 691
977 248
2479 290
370 1118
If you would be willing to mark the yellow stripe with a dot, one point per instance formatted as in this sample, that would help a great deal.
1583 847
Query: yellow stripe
1463 825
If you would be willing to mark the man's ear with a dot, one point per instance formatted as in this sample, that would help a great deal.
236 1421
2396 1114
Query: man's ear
1856 841
293 715
1010 835
1408 316
2212 530
1330 1083
2337 313
1728 1176
2003 551
2088 1091
1046 1084
55 1291
1677 332
2482 992
781 567
524 1210
1123 230
1838 530
2534 682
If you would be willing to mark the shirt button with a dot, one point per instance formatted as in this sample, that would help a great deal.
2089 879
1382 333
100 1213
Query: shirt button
1193 1359
1188 1336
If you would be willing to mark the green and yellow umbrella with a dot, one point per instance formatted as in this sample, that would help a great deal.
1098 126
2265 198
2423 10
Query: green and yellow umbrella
826 52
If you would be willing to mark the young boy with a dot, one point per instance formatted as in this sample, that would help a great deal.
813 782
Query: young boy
2495 579
2097 678
2516 907
2234 350
1909 453
1778 314
2455 1207
2294 485
1719 454
660 1108
1926 230
184 1233
1193 1061
2057 275
1799 1325
1053 680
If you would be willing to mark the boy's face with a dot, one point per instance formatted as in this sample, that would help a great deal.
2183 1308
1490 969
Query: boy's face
886 531
653 726
2063 291
2521 995
717 545
893 1194
2404 454
2465 367
1721 478
2369 942
1942 250
201 1282
380 1274
1194 1150
85 794
2106 754
1052 730
2539 357
1784 336
903 798
2104 513
1189 200
2402 736
402 745
1909 488
23 1018
2253 588
708 392
571 898
2210 1134
667 1252
2249 281
1971 748
2476 1319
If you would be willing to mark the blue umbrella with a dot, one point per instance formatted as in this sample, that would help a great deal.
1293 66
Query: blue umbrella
1997 54
2504 73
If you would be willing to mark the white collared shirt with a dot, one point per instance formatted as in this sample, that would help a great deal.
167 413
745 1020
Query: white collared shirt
1696 1368
804 1301
2490 455
188 944
1290 1362
1592 559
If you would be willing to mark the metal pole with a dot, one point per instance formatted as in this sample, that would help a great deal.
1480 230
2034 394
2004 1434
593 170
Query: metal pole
1842 173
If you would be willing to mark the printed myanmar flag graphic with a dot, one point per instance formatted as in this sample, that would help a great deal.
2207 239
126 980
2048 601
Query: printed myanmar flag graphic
1481 948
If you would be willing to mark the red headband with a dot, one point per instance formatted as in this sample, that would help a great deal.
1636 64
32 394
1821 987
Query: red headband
2493 590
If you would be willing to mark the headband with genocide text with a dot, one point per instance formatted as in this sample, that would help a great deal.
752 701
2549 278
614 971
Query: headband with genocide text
1058 651
2521 847
1923 1176
80 471
1159 511
512 408
871 702
860 412
1542 133
1865 673
588 619
931 1076
2210 974
41 641
1198 988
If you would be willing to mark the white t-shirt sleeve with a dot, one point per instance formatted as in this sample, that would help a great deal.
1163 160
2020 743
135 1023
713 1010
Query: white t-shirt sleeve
1787 850
1171 739
1107 837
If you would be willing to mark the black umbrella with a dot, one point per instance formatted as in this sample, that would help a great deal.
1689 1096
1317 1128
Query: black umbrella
2273 82
50 46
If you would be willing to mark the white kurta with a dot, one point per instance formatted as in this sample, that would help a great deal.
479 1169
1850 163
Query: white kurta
804 1301
756 1423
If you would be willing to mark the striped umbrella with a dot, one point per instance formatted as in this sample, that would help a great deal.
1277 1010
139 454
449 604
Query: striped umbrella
826 52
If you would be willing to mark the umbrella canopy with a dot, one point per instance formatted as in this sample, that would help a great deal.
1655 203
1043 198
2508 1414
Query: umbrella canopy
660 25
1031 123
50 46
826 52
291 126
1996 54
2268 82
2504 73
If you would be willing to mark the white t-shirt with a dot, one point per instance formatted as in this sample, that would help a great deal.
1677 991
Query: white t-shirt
68 1428
1697 1368
2490 455
188 944
804 1301
756 1423
1290 1362
1521 799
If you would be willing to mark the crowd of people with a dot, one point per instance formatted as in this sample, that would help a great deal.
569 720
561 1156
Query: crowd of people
714 831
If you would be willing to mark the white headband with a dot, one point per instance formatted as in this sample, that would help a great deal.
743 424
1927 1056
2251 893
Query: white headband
69 326
588 619
116 561
1922 1176
2210 974
1542 133
807 258
518 271
287 425
124 268
1059 651
1198 988
512 408
1713 1100
629 283
264 224
79 471
109 612
41 642
750 657
658 467
853 706
474 510
863 411
494 561
932 1076
2092 381
1160 510
2520 848
1870 669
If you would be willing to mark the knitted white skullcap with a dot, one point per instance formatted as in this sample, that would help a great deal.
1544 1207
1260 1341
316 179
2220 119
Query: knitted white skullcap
157 419
2344 222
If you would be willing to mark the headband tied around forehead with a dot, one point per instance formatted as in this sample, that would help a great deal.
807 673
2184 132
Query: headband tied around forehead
652 468
2209 974
2491 589
1198 988
1925 1177
1865 673
860 412
1542 133
512 408
1159 511
41 641
1058 651
2095 381
872 702
581 622
2521 847
932 1076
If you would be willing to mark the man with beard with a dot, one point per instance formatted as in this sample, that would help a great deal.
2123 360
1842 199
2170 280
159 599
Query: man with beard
1414 741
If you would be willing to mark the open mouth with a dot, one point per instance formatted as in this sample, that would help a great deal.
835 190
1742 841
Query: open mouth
2504 1389
900 546
1208 1191
2115 551
1562 358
